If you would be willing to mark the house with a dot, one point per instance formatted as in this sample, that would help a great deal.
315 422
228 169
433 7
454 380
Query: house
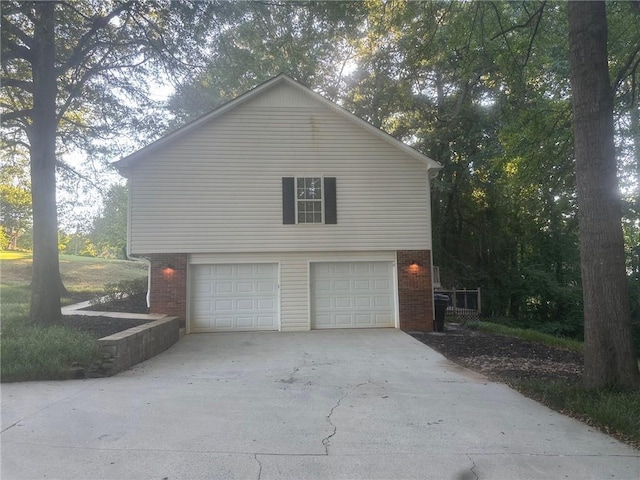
280 210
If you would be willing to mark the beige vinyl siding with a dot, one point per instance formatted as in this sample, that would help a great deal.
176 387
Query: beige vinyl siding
218 188
294 277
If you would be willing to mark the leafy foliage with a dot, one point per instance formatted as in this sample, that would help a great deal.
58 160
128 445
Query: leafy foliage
15 197
109 232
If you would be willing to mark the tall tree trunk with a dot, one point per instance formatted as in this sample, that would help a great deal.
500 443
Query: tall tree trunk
45 283
610 357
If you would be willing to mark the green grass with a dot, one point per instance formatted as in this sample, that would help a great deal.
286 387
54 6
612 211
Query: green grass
84 277
612 411
528 334
42 353
31 352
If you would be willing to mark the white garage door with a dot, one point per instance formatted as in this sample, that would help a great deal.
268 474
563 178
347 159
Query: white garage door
234 297
352 295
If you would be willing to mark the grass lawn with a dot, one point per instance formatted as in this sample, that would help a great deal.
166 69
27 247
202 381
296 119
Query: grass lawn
44 353
531 335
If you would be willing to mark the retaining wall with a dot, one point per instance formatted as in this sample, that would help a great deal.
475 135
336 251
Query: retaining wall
124 349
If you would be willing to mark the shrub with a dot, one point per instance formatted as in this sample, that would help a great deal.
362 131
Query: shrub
122 289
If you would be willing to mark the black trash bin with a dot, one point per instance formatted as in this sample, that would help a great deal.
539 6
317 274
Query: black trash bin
441 302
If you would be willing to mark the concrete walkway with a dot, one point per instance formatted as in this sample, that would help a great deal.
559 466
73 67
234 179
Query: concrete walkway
368 404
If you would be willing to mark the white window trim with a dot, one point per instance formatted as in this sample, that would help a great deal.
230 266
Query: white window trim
295 189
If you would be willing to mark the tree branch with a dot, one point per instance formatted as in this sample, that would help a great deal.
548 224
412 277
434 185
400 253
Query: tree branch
25 85
535 30
624 71
70 169
82 48
89 73
16 51
503 32
15 115
9 27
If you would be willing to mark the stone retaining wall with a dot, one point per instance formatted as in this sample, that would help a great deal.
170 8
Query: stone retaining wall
124 349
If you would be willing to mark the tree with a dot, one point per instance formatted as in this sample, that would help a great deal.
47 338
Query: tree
109 232
15 197
256 40
73 73
610 358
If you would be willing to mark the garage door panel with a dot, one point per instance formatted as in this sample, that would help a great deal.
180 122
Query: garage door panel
352 294
222 323
341 302
343 320
322 321
266 287
244 322
220 288
384 285
221 306
323 302
204 306
221 271
380 301
246 287
380 268
230 297
265 321
246 304
266 304
362 285
363 319
202 322
361 268
364 302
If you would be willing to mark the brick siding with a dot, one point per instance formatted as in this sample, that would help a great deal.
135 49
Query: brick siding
169 285
415 290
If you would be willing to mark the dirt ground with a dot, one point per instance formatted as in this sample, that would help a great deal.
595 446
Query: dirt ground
505 358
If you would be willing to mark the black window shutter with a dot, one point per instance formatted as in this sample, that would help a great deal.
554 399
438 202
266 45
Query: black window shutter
330 205
288 201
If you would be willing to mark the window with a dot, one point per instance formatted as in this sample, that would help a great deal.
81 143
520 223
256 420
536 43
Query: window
309 199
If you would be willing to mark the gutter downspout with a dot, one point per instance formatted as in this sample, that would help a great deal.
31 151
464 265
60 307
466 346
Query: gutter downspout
143 260
128 249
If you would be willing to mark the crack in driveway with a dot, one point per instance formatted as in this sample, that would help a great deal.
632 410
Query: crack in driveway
473 468
325 440
255 457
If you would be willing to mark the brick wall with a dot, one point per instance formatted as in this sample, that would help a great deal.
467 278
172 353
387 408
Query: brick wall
169 285
415 289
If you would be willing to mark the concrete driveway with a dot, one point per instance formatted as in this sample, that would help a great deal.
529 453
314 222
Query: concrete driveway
369 404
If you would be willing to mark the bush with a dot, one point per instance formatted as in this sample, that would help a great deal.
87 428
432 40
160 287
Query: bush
122 289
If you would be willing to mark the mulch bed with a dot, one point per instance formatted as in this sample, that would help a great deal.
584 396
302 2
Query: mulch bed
105 326
99 326
505 359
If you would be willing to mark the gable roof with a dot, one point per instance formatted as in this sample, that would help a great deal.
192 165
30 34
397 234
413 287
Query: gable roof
126 162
